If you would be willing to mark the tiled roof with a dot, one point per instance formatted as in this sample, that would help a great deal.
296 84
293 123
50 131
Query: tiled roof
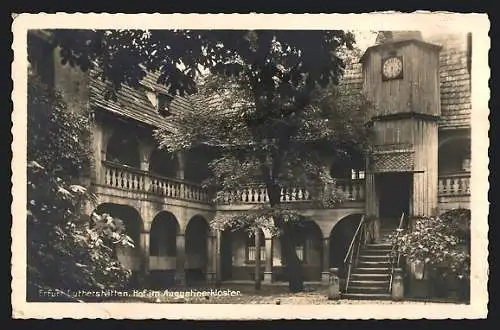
134 103
455 80
455 90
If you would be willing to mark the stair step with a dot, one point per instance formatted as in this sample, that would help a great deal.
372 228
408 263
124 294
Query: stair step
371 263
370 257
369 282
375 245
366 296
374 252
370 276
372 270
368 289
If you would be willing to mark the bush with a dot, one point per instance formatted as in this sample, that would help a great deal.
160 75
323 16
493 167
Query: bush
439 243
66 250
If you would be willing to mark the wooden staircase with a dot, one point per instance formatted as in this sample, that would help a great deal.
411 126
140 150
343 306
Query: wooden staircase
371 271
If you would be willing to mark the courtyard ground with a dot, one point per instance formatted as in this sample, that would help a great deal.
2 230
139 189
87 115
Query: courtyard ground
248 295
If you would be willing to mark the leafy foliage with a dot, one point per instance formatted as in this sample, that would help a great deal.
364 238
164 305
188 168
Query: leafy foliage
436 242
66 250
273 60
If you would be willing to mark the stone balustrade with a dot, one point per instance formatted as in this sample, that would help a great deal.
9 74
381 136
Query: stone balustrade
351 190
132 179
454 184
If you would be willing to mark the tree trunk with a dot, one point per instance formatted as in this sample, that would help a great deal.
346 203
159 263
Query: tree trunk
257 261
293 264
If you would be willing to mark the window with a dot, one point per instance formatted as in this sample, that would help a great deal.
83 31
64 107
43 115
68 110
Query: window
163 106
251 249
161 102
357 174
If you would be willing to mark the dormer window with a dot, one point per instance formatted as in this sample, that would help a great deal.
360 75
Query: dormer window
163 106
161 102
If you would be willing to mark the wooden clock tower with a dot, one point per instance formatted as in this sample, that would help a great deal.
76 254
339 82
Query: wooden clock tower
401 81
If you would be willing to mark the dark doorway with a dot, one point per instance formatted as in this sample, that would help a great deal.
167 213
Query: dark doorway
394 191
226 255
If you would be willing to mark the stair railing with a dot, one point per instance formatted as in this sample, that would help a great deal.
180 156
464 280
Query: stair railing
395 264
354 248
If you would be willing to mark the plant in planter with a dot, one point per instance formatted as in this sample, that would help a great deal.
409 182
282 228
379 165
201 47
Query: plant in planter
437 249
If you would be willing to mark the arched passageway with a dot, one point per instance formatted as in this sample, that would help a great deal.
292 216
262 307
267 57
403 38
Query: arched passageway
238 252
128 256
340 239
196 164
454 155
197 250
308 249
123 148
163 163
163 249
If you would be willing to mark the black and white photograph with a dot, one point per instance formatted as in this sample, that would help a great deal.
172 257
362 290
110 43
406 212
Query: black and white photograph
183 171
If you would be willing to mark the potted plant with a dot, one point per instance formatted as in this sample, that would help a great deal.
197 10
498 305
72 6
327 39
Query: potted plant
435 253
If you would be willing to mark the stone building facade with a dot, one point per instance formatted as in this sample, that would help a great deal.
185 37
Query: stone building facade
422 125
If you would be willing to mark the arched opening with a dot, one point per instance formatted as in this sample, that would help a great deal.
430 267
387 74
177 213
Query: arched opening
238 252
128 256
163 163
196 165
197 232
308 248
163 249
340 239
123 148
454 155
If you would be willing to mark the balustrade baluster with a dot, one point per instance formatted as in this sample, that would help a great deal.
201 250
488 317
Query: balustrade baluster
455 186
122 180
134 183
300 194
449 186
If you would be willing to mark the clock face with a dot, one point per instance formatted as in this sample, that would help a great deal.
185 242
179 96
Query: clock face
392 68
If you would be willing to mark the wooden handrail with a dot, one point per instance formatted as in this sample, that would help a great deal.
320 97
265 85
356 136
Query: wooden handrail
350 251
399 255
401 221
354 238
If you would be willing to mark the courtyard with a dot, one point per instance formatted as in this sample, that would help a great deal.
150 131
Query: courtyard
274 295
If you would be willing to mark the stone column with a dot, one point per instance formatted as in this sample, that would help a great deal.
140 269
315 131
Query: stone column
268 271
218 264
334 285
258 262
144 259
376 229
181 161
180 273
211 258
397 290
325 272
145 153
